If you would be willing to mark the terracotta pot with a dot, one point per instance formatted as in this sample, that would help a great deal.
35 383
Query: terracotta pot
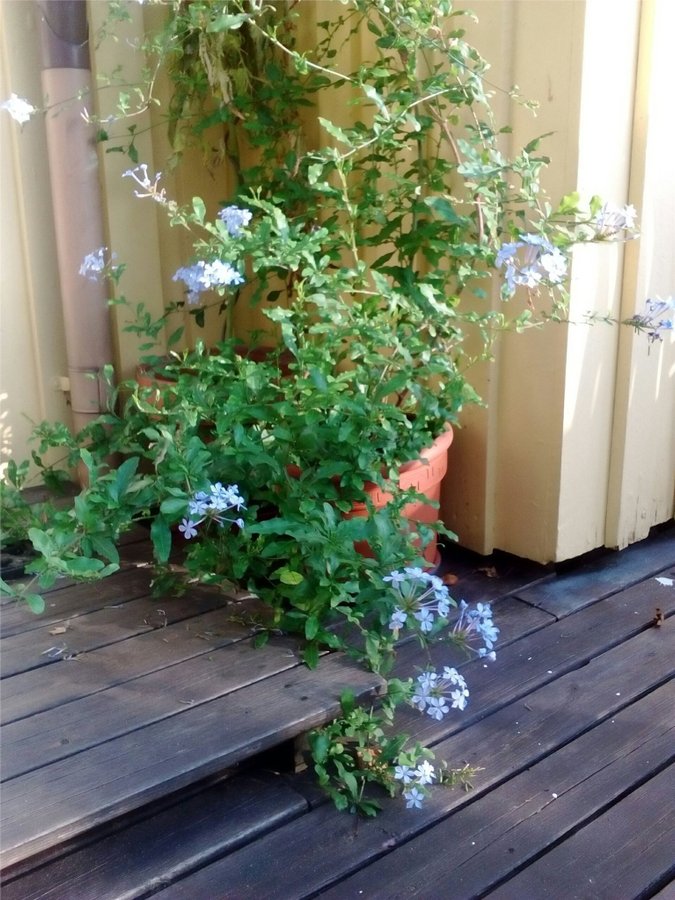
423 475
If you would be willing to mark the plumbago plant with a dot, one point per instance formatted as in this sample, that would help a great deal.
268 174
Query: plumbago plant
373 254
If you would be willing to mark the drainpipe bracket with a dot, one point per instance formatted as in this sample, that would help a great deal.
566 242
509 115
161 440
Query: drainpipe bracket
89 390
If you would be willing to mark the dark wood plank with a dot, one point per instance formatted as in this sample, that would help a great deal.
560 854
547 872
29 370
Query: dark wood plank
605 576
86 632
610 858
483 843
73 600
504 744
71 796
70 679
488 578
159 849
65 730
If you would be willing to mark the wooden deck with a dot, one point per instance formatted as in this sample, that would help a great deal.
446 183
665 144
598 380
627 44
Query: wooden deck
147 747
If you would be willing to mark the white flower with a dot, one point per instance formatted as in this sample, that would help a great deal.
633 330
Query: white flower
424 773
612 219
20 110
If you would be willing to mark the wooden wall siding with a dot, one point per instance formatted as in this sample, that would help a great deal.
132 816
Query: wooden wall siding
576 447
32 343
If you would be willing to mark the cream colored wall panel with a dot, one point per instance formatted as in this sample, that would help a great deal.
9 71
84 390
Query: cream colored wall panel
643 466
604 142
132 222
32 348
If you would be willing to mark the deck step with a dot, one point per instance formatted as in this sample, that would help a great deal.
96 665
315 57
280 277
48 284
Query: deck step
59 801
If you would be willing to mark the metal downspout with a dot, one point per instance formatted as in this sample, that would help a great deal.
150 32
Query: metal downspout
78 215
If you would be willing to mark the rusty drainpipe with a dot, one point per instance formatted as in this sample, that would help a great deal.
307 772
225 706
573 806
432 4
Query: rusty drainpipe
76 198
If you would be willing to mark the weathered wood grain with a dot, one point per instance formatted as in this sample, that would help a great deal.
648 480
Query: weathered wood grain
610 858
88 673
73 795
611 573
504 744
527 664
68 729
151 853
77 599
482 843
117 622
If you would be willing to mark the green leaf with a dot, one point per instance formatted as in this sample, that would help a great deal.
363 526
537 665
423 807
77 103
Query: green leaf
444 209
199 209
311 628
347 702
124 475
82 566
569 203
335 132
161 538
172 506
226 22
288 576
175 336
42 541
311 656
105 546
320 744
35 602
87 459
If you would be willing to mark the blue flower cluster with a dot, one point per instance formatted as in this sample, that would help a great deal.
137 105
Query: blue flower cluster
150 187
477 622
94 263
414 777
433 691
612 220
530 261
235 219
205 276
212 507
421 598
657 317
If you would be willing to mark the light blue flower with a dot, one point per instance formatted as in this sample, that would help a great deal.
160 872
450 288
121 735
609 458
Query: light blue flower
205 276
94 263
425 618
395 577
403 773
612 219
188 528
235 219
150 187
529 262
420 595
414 798
398 619
211 506
433 691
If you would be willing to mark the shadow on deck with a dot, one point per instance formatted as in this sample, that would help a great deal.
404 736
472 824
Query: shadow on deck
148 749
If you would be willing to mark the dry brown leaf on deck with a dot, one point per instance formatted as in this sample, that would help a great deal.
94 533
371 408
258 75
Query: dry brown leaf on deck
449 578
489 571
59 629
